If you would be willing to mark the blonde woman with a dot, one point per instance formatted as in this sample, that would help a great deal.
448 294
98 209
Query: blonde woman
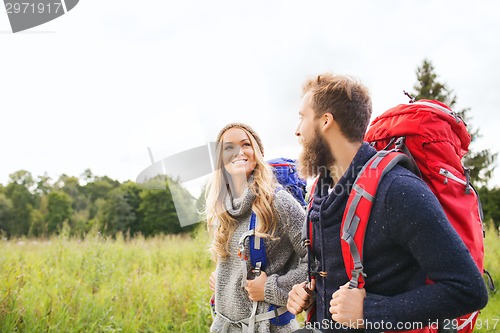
248 299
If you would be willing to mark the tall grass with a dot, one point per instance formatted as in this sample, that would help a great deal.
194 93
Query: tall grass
154 285
138 285
489 318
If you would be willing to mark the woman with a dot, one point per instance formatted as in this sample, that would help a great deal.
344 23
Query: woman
244 183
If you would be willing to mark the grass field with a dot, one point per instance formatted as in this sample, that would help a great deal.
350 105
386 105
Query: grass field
153 285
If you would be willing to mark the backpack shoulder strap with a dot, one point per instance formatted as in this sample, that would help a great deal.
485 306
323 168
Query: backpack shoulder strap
257 247
358 209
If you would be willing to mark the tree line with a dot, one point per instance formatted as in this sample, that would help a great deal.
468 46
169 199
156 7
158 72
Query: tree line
38 207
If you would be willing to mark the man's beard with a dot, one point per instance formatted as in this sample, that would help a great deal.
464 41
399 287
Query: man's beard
316 157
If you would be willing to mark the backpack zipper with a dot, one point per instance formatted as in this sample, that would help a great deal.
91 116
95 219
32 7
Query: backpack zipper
448 175
455 115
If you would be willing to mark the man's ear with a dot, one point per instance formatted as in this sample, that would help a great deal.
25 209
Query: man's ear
326 121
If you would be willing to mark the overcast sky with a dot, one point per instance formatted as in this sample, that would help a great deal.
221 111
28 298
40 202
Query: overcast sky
98 86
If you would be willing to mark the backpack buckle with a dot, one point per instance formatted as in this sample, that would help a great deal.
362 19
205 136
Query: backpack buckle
257 269
399 142
241 252
355 273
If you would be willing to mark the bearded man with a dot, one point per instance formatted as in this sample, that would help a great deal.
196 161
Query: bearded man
408 237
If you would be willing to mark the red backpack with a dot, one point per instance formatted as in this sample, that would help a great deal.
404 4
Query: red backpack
435 138
430 139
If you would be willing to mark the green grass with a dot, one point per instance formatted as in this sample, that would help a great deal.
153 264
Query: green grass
489 318
153 285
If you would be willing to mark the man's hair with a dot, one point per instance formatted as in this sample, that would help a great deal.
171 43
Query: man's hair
347 99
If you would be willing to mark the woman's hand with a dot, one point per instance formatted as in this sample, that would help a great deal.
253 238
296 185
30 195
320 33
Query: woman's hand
211 281
255 287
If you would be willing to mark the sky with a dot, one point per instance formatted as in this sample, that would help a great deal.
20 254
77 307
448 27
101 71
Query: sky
98 86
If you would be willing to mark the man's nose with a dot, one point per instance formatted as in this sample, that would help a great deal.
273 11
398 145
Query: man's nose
297 130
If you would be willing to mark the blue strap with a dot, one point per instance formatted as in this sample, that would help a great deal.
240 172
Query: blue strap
283 319
259 255
256 255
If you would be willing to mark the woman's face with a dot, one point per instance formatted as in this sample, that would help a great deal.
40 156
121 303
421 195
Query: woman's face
238 155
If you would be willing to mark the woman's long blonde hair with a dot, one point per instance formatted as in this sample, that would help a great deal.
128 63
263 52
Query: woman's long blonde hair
220 224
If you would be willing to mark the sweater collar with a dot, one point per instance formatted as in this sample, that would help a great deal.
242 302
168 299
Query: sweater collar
329 203
240 206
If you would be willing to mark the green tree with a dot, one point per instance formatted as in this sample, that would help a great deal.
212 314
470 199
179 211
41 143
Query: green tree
118 215
43 185
22 177
158 212
71 186
87 176
38 227
99 188
131 192
490 199
480 163
5 213
59 210
23 201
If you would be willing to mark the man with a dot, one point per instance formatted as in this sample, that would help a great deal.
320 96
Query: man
408 237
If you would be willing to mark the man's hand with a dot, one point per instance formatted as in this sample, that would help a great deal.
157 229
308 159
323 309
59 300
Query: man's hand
255 287
211 281
300 297
346 306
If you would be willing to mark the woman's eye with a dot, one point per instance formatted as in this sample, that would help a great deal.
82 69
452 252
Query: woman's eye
228 148
247 145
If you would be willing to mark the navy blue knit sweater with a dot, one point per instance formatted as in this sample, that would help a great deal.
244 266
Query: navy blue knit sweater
408 238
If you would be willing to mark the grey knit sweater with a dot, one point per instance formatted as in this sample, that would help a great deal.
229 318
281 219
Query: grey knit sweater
284 266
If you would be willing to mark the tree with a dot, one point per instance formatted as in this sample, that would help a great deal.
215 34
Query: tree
43 185
480 164
23 201
158 213
131 192
5 213
71 186
490 199
118 215
87 176
98 189
22 177
59 210
38 227
158 210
